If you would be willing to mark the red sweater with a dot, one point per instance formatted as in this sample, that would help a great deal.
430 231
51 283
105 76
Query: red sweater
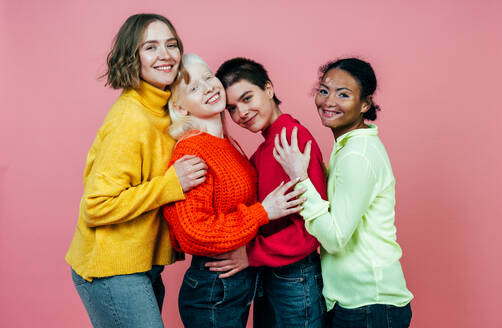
222 213
283 241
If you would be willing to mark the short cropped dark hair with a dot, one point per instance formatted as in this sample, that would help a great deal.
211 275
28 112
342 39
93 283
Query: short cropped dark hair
239 68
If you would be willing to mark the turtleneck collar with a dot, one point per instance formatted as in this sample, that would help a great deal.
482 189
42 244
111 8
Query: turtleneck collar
151 97
277 126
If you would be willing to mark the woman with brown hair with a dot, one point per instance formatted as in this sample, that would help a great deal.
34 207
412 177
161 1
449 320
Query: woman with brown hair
121 243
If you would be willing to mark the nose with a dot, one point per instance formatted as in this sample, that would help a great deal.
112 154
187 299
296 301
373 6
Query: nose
163 53
208 87
242 111
331 99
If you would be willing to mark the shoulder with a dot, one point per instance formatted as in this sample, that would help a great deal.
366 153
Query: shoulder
194 143
128 112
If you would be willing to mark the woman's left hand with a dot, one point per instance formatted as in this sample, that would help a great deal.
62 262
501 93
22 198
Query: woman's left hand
231 262
294 163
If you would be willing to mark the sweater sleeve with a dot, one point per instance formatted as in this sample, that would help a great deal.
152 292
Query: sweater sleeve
114 188
334 222
199 229
293 242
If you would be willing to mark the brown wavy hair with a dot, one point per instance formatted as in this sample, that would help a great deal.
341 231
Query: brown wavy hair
123 61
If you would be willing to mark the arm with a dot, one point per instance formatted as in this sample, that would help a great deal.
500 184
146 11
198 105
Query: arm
200 228
114 188
334 222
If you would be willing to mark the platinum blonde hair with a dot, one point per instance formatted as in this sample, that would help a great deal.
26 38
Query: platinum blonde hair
182 124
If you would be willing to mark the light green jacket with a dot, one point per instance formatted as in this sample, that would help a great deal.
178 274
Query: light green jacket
359 252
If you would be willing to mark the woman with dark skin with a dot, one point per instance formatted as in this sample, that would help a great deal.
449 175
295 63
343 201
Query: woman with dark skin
364 285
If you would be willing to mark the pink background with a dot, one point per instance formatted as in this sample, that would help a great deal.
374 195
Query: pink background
439 69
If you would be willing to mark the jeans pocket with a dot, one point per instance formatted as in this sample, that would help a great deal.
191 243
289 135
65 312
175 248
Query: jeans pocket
287 277
398 317
345 318
190 281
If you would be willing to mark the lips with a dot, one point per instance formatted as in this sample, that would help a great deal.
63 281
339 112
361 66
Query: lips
164 68
330 114
214 99
249 121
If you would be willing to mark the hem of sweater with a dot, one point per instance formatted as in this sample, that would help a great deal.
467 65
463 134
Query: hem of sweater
331 304
101 267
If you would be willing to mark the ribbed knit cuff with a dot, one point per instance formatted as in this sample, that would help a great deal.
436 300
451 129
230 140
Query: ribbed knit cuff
173 190
258 214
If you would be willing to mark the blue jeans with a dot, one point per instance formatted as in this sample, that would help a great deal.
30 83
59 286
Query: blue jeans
290 296
371 316
208 301
131 300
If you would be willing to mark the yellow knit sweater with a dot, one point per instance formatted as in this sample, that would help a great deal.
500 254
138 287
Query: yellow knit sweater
120 229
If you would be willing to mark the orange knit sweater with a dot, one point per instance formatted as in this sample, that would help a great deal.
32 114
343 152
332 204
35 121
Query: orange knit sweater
222 213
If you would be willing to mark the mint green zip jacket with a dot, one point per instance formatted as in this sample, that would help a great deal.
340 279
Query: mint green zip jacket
359 252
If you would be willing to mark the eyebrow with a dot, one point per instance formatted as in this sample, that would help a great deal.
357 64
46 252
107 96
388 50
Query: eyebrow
337 89
156 41
244 94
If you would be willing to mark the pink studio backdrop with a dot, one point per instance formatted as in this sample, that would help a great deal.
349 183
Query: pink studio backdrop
439 69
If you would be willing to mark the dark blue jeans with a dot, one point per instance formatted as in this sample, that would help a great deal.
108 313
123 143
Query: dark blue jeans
290 296
130 300
208 301
371 316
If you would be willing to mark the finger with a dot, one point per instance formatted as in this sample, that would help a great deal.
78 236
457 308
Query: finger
306 151
198 174
186 158
199 166
294 193
284 140
198 181
217 264
278 146
294 139
277 157
229 273
278 188
195 160
293 210
295 202
222 269
289 185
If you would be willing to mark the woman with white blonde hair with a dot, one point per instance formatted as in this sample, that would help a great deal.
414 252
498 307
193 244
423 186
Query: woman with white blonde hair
222 214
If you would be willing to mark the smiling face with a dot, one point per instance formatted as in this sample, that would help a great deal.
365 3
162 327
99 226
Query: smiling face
250 106
204 96
338 102
159 55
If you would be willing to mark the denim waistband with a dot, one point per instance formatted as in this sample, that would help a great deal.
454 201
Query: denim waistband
310 259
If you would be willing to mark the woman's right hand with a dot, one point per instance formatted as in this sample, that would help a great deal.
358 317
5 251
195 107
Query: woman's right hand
191 171
280 202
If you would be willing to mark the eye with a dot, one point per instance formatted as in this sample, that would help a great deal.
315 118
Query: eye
209 77
322 92
343 95
194 88
230 109
172 44
247 99
149 48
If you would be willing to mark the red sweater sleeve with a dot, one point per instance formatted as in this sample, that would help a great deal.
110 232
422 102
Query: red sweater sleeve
293 242
198 228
